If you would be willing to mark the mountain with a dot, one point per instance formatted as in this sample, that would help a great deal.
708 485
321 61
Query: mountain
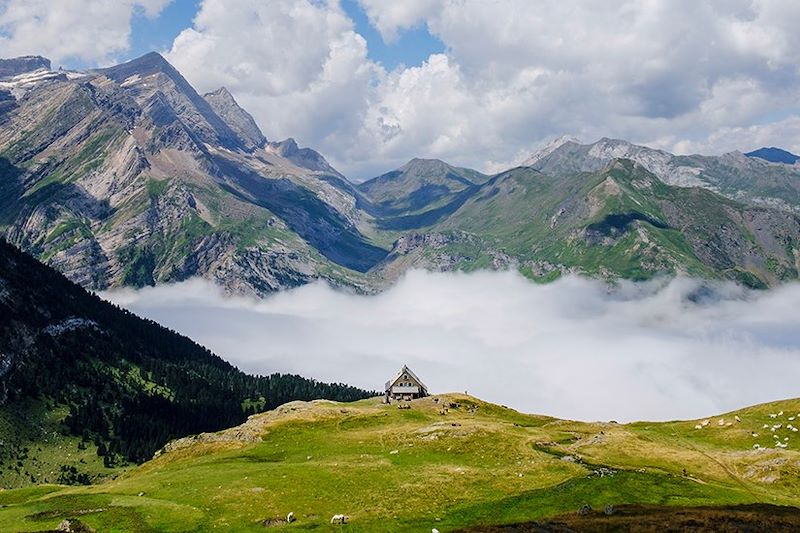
774 155
734 175
239 120
620 221
448 462
86 387
22 65
127 176
419 193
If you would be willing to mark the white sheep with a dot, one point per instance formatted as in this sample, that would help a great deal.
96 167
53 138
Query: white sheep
736 417
339 519
290 517
698 426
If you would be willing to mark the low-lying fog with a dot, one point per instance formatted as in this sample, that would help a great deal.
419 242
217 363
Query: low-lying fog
573 349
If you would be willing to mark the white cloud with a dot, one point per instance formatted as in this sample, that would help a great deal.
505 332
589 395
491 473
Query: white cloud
93 31
297 65
570 349
515 72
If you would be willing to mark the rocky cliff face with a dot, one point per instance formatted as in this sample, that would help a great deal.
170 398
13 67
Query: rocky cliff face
240 121
126 176
20 65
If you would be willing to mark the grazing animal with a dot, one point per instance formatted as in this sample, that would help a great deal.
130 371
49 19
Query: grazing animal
585 510
290 517
338 519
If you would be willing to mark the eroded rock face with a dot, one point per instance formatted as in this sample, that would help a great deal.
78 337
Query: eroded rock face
21 65
242 123
126 176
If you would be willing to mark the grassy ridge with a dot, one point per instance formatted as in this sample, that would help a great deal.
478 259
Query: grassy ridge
412 470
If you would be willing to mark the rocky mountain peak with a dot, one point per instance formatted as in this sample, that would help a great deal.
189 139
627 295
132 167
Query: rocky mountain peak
146 65
549 148
243 124
425 165
21 65
303 157
774 155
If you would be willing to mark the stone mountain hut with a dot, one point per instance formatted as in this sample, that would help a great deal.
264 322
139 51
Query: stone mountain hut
405 385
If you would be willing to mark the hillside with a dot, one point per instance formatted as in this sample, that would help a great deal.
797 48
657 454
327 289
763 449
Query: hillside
421 192
621 221
86 387
416 469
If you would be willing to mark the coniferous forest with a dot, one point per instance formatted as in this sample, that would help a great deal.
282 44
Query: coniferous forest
129 384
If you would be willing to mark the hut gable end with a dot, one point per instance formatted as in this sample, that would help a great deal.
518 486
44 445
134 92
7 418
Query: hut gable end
405 385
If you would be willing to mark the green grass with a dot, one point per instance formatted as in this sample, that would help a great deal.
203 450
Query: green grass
412 470
36 446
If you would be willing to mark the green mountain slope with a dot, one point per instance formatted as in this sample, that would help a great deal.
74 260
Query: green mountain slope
417 469
621 221
420 192
85 385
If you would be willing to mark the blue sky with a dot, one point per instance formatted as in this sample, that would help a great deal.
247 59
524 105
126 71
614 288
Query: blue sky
411 48
703 77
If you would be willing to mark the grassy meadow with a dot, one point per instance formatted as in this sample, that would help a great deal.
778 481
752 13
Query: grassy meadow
391 469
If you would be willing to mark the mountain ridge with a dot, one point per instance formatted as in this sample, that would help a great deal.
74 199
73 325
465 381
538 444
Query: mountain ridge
126 176
774 155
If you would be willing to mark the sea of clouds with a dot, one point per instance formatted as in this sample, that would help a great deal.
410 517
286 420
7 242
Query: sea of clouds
666 349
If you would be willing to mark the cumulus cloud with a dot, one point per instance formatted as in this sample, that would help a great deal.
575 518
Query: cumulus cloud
93 31
297 65
660 350
675 74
